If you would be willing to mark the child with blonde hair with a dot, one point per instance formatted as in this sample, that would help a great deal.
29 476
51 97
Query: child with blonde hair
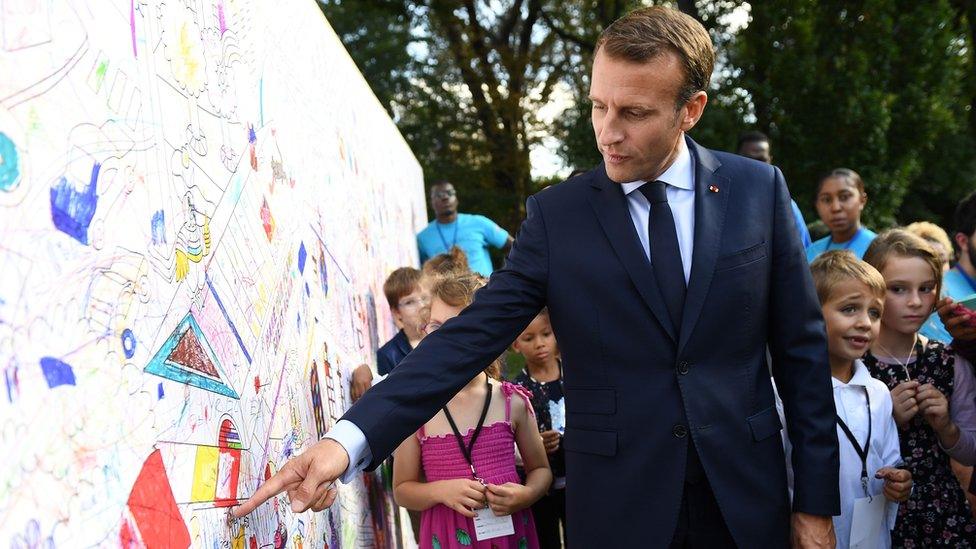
872 481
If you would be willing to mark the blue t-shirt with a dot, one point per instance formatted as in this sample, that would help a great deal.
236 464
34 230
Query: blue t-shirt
472 233
858 244
801 225
956 285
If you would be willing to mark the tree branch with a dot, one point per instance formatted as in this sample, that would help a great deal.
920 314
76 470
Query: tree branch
588 45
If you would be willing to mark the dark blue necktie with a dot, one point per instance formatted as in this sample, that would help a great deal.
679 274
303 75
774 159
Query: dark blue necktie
665 254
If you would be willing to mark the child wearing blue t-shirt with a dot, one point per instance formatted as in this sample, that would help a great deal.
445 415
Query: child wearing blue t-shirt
840 201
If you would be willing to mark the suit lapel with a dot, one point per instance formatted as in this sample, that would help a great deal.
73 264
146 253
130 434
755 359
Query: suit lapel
610 205
710 210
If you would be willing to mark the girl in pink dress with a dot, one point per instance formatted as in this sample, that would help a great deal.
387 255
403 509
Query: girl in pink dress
459 469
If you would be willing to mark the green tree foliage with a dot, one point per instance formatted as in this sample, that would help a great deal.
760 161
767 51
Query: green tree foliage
885 87
873 85
464 88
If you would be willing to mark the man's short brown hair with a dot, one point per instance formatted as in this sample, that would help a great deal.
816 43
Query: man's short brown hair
835 266
645 34
401 282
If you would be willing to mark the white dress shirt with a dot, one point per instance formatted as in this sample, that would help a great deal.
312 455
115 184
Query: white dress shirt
680 177
884 451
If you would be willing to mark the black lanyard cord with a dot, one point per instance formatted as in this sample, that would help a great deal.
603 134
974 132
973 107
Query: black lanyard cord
466 450
861 452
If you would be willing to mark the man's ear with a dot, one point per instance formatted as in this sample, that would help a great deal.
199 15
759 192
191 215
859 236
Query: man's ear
693 110
962 241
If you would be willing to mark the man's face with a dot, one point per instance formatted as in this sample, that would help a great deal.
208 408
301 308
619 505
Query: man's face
634 117
756 150
443 199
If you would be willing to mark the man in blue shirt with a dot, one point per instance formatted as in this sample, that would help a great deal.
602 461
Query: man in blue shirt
958 282
472 233
755 145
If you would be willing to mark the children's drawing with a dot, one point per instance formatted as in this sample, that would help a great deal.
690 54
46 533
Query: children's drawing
199 202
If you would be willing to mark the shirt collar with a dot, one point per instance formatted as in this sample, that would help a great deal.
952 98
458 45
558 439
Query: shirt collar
861 377
679 174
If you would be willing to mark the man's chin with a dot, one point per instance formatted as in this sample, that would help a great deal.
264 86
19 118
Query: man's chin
618 175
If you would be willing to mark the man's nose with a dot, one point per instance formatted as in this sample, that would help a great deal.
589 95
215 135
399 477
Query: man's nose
610 131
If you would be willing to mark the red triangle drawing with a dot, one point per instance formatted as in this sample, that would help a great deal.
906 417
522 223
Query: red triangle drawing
154 509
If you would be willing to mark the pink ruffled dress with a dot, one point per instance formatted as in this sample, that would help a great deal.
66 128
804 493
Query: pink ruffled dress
494 459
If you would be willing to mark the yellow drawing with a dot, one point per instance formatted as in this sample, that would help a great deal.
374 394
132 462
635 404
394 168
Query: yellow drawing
192 242
238 541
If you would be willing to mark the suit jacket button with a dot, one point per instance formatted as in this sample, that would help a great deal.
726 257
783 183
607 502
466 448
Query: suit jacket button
679 431
683 367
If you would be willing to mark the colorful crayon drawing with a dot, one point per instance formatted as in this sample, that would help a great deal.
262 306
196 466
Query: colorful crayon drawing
195 217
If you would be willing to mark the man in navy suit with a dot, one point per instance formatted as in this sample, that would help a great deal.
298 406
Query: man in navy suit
667 271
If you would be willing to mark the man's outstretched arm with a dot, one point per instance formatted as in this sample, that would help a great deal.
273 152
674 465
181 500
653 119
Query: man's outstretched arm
429 376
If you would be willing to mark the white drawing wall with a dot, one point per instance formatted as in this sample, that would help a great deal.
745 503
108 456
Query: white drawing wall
199 202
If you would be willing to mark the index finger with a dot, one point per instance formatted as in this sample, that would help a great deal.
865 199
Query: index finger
275 485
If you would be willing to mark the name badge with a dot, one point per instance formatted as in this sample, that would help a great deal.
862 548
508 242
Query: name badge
866 523
489 526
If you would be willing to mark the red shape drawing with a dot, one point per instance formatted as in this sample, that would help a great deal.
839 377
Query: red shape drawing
190 354
229 467
153 507
267 220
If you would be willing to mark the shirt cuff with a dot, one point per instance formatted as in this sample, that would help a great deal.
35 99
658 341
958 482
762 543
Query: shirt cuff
353 441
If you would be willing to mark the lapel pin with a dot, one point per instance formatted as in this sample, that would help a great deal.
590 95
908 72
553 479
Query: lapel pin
712 188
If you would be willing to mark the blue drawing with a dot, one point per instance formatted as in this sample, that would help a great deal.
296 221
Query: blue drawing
158 224
57 372
302 255
233 328
9 164
72 210
128 343
186 357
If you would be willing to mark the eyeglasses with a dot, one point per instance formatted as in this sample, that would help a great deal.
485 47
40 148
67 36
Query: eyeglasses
414 303
444 194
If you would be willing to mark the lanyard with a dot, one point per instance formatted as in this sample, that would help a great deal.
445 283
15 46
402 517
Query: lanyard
466 450
849 243
861 452
447 249
969 279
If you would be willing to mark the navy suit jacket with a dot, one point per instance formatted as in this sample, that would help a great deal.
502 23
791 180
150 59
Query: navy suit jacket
635 385
392 352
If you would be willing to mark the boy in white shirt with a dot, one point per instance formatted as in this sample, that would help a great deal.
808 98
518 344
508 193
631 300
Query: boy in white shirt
852 297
